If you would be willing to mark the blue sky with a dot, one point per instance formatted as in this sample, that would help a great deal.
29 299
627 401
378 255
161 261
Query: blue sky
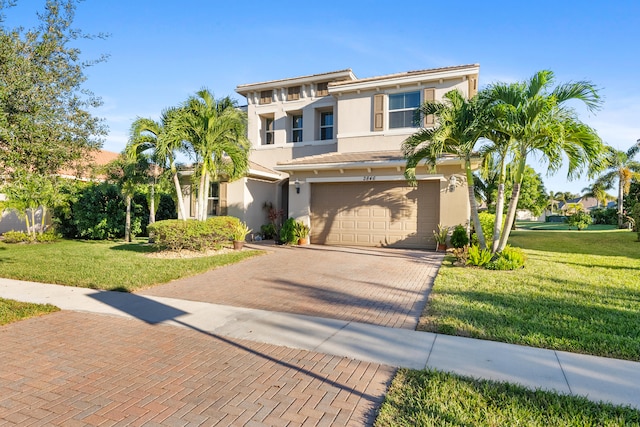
161 51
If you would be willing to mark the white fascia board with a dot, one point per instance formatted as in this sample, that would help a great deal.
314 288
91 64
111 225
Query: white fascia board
263 174
403 80
362 165
295 81
384 178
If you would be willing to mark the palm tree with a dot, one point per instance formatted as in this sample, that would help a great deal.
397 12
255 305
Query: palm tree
596 191
216 133
162 139
621 168
552 202
537 119
459 128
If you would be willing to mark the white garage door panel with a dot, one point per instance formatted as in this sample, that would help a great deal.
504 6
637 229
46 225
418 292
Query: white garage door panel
374 214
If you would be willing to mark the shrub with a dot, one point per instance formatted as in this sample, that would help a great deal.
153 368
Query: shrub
509 259
268 231
22 237
301 230
459 237
580 220
16 237
178 235
461 254
487 221
288 232
479 257
608 216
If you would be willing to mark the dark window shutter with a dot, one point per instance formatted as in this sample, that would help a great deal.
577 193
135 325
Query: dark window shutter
378 112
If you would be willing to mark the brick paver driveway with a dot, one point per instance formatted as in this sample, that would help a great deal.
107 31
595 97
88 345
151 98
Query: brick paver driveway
386 287
71 368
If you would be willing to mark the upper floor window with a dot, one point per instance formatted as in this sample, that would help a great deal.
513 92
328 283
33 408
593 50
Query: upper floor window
296 128
402 110
293 93
322 89
268 131
266 96
326 125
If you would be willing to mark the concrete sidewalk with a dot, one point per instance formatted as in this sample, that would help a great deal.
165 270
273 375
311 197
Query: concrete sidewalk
598 378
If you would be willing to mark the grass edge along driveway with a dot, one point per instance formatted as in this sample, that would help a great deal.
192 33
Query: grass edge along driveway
104 264
578 292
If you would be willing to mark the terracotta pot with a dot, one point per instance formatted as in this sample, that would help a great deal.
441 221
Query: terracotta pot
303 241
237 245
442 246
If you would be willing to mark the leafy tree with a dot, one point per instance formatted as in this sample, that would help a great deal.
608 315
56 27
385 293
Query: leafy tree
45 122
459 128
621 168
215 131
128 175
162 140
537 119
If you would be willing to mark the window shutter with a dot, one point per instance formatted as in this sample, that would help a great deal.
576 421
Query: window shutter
223 199
378 112
473 85
429 95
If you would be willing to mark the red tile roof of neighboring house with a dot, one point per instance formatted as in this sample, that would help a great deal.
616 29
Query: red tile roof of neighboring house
98 158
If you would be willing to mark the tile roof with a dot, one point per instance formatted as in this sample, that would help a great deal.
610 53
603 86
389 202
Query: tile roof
405 74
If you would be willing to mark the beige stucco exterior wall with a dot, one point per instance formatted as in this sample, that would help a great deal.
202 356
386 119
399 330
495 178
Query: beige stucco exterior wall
355 115
454 205
246 197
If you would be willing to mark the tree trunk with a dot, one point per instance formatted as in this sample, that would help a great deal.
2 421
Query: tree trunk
513 205
127 223
201 195
620 202
152 204
43 219
497 225
474 206
176 183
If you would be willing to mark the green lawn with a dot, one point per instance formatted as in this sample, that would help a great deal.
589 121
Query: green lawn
579 292
558 226
12 311
103 264
431 398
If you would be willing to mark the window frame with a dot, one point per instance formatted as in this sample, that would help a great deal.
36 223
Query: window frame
297 130
324 127
415 122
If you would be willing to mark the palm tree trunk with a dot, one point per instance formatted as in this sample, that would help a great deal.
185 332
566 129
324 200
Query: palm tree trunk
152 204
513 206
201 195
497 225
474 206
620 202
127 223
176 183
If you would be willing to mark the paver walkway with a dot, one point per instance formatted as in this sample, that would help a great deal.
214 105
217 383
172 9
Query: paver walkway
370 285
79 369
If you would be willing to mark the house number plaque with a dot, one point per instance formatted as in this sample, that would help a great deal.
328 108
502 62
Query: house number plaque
369 178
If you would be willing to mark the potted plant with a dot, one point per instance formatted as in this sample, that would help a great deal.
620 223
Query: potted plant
239 234
441 237
301 231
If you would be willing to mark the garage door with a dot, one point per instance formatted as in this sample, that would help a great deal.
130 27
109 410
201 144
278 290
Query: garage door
375 214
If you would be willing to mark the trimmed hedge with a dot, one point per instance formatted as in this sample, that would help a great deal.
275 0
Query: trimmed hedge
193 235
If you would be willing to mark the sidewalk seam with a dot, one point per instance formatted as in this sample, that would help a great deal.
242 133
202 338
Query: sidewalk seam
430 351
563 373
331 336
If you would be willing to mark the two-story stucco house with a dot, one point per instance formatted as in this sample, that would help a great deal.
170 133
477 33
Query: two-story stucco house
326 149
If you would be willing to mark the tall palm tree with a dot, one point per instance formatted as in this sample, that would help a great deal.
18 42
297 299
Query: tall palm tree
596 191
621 167
216 133
459 128
536 117
162 140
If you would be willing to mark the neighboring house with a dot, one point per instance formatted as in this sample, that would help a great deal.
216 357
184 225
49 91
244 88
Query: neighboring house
585 203
11 220
326 150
